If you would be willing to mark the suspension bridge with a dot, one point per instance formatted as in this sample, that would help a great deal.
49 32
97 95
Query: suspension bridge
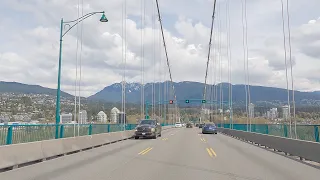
107 151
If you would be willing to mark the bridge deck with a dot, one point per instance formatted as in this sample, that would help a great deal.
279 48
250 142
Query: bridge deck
178 154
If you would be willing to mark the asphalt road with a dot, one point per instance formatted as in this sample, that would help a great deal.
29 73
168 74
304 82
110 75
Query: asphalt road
180 154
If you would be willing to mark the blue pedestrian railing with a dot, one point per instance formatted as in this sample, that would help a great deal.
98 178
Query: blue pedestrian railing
14 134
304 132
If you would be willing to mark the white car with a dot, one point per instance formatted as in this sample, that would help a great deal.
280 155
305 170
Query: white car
178 125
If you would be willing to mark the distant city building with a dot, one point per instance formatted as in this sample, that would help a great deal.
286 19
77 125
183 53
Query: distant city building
273 113
65 118
268 115
251 110
102 117
114 115
206 111
285 112
83 117
122 118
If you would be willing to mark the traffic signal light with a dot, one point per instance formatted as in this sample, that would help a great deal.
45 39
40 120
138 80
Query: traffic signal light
171 102
203 101
187 101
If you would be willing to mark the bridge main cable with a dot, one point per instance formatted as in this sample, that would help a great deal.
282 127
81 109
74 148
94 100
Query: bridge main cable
166 52
209 50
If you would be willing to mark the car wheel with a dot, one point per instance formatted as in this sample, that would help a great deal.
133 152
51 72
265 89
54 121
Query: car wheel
136 137
160 135
154 137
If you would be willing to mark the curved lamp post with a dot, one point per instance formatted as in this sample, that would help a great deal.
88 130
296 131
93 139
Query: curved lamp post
69 25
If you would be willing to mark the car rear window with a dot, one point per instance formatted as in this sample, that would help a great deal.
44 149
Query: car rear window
151 122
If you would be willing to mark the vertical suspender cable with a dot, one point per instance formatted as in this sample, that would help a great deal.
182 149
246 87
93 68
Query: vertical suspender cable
247 59
212 80
285 61
216 55
76 81
154 62
143 10
229 62
160 75
220 65
80 68
124 59
291 69
244 61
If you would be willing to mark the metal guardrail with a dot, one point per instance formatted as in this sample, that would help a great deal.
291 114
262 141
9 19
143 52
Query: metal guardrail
303 149
15 134
304 132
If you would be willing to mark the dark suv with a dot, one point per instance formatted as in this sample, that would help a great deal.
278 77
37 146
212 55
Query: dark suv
148 128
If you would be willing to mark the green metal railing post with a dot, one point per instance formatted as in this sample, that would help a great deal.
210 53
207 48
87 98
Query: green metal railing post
316 133
267 129
90 130
9 135
285 129
108 127
61 131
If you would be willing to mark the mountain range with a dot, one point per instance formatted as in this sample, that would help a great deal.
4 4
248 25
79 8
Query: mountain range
184 90
194 90
15 87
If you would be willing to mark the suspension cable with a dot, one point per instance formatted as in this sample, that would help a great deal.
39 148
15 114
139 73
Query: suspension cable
154 61
245 57
166 52
209 49
220 64
229 55
285 61
143 16
160 68
80 68
124 61
291 69
247 64
76 81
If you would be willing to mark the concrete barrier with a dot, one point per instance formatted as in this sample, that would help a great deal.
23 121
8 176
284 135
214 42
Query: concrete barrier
17 154
12 155
304 149
51 148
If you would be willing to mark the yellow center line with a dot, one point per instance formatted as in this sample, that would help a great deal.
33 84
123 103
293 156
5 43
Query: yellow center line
146 151
214 153
209 152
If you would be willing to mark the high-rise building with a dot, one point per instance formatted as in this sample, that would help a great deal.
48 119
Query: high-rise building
83 117
251 110
65 118
285 112
102 117
114 115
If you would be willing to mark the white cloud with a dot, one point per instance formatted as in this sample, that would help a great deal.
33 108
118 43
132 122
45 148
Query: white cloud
29 33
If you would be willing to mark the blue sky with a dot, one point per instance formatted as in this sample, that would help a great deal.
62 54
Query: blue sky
29 33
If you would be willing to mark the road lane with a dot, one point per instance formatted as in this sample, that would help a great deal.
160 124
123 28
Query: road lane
85 165
179 154
246 159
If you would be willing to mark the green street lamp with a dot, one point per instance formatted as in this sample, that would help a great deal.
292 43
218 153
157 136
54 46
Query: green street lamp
70 25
